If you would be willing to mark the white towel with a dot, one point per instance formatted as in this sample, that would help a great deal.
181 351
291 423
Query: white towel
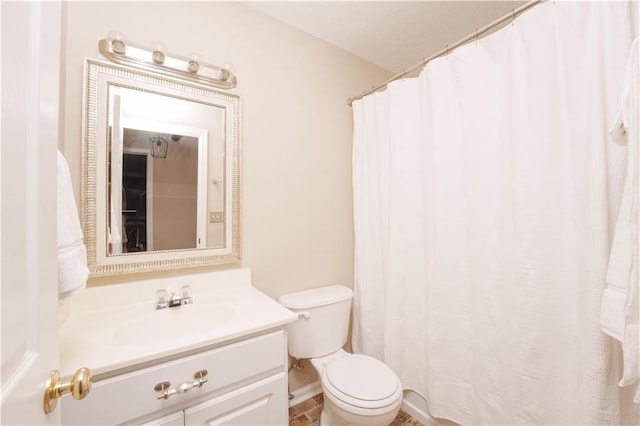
72 254
619 315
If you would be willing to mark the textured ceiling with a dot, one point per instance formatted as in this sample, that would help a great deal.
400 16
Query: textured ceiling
391 34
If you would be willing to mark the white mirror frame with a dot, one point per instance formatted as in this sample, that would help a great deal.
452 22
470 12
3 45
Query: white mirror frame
98 75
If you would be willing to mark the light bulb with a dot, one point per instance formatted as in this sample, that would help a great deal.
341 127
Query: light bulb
118 44
226 71
195 59
158 50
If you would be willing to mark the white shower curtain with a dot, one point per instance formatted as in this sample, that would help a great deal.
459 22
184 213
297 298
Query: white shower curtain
485 197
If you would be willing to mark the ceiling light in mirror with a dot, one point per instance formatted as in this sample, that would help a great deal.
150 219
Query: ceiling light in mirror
159 146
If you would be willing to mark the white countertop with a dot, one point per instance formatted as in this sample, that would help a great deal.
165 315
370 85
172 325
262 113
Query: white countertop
110 328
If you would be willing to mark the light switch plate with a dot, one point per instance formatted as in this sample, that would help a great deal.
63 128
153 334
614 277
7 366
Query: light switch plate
216 217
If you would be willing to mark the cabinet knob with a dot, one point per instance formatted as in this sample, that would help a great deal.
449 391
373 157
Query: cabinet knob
78 387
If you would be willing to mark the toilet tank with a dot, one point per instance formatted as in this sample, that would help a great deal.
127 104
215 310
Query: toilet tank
324 321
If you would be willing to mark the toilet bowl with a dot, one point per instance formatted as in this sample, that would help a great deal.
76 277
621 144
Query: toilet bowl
358 389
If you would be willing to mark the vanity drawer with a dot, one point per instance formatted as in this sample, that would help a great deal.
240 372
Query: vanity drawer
132 395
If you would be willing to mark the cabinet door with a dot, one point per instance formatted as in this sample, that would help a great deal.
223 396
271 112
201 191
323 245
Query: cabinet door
261 403
173 419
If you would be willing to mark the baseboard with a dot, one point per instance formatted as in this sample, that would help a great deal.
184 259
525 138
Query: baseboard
305 392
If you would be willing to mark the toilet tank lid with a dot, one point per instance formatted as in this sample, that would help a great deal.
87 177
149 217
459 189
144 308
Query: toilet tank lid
316 297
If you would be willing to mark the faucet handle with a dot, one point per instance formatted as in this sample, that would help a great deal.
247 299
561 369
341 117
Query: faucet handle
162 295
161 303
186 294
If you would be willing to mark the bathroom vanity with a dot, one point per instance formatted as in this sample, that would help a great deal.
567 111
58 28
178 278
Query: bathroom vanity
221 359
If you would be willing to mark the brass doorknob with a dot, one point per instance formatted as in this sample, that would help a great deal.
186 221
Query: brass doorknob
78 387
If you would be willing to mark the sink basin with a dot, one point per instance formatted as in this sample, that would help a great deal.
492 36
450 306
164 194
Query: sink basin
187 321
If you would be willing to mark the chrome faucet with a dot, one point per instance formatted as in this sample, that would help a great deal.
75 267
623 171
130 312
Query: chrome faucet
173 300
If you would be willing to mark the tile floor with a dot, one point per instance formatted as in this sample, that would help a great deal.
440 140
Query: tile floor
307 413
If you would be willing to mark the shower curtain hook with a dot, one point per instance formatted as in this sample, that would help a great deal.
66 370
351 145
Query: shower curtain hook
446 54
513 16
476 36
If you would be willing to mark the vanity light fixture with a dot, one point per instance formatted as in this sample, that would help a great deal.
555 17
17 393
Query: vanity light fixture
155 58
159 146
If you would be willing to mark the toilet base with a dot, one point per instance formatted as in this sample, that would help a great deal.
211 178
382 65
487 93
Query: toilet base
329 416
327 419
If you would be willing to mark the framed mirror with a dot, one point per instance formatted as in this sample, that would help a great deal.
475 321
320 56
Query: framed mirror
161 161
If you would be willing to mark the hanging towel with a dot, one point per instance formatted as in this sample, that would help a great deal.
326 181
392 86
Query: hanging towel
72 254
619 315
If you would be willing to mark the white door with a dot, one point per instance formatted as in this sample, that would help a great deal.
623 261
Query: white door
30 94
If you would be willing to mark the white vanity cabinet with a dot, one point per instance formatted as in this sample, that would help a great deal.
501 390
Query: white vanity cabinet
246 384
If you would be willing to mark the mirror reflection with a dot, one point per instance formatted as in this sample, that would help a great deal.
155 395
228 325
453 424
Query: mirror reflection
160 193
166 189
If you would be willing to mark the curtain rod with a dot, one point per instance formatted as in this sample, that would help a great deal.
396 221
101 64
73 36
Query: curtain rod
448 48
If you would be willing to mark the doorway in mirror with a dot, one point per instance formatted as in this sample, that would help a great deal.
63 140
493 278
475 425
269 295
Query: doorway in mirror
134 202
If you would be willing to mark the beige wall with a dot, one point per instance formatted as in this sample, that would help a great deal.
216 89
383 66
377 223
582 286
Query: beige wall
297 229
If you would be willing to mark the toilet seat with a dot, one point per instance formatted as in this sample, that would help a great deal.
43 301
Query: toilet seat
361 381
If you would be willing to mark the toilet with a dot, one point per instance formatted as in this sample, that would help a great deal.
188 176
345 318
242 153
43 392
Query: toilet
358 389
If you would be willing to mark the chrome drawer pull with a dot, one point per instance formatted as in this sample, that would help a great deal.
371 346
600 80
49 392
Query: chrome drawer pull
167 392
